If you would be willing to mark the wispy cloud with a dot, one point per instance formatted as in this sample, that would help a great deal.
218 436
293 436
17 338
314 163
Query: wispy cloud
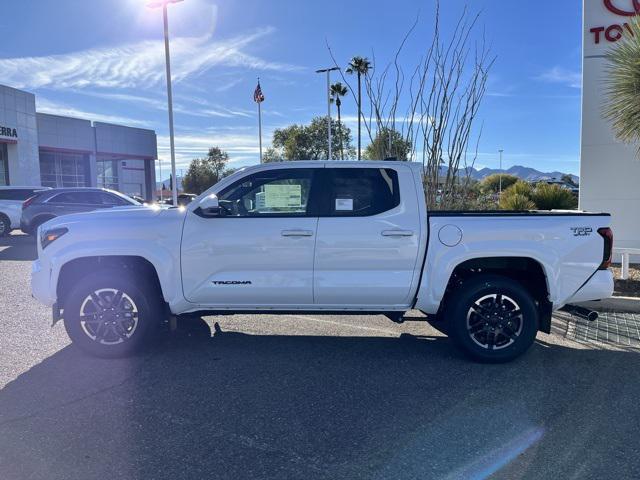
228 85
47 106
138 64
563 76
192 106
242 146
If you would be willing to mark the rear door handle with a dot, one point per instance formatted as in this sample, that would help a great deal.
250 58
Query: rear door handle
397 233
297 233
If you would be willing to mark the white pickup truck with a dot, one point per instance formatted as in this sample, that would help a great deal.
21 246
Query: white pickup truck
321 237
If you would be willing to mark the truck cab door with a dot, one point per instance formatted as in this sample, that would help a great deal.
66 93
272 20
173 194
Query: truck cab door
368 238
258 251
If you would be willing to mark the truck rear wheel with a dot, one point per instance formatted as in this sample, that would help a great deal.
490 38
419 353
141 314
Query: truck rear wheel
492 318
109 314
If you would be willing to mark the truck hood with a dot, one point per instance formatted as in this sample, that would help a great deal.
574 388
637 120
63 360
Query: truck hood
118 221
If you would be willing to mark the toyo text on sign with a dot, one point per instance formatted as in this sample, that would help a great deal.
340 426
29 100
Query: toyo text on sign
613 33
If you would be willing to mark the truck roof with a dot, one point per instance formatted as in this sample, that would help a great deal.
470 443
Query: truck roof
340 164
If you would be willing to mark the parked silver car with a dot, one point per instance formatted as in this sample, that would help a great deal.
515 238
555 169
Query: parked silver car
11 198
62 201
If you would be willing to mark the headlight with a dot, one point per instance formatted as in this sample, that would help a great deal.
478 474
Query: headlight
49 236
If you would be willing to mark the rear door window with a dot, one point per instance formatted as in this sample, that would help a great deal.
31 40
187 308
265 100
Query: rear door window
359 192
77 198
112 200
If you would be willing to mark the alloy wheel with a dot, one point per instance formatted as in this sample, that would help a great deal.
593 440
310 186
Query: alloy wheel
109 316
495 321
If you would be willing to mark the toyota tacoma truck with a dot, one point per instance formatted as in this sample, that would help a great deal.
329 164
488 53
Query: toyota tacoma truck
321 237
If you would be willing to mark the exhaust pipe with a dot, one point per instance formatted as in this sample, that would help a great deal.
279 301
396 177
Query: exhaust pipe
581 312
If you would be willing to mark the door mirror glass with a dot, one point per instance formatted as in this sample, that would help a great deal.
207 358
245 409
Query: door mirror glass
209 205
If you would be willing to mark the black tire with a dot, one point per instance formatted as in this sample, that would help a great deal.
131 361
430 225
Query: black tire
492 319
119 326
5 225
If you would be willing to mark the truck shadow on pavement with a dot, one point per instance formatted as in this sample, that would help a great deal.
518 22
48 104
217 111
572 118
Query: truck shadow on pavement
18 248
233 405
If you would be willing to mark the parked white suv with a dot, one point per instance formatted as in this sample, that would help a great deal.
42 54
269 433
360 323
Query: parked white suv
11 198
321 237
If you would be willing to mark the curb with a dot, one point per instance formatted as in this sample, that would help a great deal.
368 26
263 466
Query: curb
614 304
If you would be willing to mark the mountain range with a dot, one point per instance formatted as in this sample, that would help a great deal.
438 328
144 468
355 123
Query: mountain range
524 173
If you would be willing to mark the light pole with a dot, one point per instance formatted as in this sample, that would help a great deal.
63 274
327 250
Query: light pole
500 183
328 72
164 4
161 180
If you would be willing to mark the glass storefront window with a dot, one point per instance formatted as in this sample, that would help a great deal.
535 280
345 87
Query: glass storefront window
121 173
107 171
4 165
59 169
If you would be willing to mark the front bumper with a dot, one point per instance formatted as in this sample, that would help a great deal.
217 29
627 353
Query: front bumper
598 287
41 283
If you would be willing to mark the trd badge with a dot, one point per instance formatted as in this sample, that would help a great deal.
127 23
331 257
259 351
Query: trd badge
581 231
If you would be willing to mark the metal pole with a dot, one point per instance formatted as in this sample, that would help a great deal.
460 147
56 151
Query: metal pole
260 129
329 110
328 72
170 102
161 180
500 183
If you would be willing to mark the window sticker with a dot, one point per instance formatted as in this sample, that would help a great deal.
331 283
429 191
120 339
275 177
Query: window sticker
282 196
344 204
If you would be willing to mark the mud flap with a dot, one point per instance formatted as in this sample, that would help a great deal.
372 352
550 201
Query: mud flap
56 316
546 310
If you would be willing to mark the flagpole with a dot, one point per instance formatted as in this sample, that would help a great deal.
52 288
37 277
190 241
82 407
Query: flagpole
258 97
260 129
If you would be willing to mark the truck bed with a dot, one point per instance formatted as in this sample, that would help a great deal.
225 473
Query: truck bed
514 213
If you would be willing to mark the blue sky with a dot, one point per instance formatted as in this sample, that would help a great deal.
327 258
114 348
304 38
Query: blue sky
104 60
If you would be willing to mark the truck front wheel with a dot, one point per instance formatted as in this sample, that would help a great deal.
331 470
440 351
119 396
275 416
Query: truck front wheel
492 318
108 314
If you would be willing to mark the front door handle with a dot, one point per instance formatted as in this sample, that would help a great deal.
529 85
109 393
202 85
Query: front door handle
397 233
297 233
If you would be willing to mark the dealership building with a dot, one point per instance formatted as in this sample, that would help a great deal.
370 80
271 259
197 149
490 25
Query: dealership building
57 151
609 169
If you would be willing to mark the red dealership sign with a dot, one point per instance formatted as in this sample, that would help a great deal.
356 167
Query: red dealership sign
630 9
613 33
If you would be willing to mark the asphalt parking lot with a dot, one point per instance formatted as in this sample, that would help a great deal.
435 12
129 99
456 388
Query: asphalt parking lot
300 396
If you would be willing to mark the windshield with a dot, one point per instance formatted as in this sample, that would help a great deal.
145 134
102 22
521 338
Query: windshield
126 198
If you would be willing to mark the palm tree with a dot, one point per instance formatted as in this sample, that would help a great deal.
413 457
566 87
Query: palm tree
359 66
623 86
336 91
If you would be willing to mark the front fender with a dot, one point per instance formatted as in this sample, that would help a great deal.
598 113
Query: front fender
165 260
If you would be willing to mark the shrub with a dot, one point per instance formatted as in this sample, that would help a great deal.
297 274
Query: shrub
549 197
491 184
521 188
516 201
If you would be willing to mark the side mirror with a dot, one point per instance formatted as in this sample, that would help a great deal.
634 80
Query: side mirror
209 206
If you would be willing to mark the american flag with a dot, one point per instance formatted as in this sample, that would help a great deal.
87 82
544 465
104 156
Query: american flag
258 97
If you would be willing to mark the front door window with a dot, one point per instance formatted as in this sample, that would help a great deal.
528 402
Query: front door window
271 193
